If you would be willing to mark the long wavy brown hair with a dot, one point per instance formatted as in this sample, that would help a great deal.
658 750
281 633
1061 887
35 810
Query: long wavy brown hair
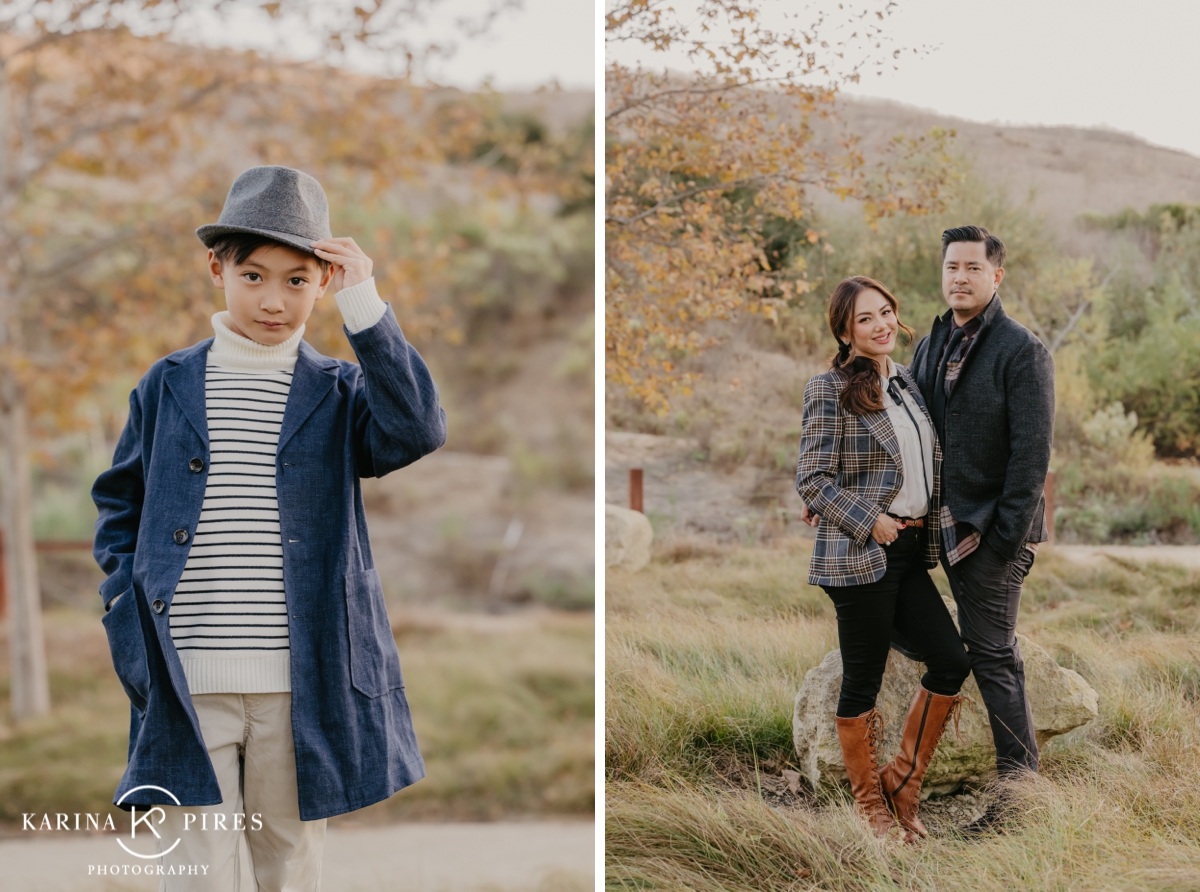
863 394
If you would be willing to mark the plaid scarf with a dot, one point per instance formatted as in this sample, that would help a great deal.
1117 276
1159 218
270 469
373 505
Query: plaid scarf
960 539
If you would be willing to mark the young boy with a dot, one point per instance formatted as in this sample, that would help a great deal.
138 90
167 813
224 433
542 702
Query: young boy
245 618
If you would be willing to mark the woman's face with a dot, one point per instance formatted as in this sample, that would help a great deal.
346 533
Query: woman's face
873 326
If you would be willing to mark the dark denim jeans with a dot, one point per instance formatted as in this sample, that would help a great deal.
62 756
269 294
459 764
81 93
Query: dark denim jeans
903 600
987 589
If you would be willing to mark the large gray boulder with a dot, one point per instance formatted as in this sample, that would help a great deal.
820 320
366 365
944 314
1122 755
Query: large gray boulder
627 538
1060 698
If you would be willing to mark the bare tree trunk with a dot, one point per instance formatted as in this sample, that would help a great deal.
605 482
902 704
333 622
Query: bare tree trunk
26 641
30 695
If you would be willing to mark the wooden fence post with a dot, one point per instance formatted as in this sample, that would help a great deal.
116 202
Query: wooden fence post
635 489
1050 505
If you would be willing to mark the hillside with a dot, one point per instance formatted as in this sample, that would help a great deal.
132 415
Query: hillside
1066 170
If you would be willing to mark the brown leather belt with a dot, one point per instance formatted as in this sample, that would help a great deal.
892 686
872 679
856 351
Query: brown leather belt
918 522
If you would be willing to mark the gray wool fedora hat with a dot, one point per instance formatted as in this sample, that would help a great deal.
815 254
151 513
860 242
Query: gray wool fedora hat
278 202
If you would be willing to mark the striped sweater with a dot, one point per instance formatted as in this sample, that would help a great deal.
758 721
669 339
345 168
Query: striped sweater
229 614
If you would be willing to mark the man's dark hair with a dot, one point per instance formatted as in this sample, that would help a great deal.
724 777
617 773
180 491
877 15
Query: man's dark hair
995 247
236 248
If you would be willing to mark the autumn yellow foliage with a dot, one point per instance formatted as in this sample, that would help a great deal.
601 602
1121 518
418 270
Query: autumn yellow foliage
709 174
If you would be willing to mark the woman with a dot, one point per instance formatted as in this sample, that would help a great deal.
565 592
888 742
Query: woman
869 471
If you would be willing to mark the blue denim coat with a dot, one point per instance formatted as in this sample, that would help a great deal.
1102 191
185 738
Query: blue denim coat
350 718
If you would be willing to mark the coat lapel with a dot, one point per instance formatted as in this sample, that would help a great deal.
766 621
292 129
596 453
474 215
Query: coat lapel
881 429
313 378
937 340
913 389
186 383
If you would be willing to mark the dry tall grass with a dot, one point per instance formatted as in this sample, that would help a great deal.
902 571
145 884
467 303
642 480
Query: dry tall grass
706 653
504 709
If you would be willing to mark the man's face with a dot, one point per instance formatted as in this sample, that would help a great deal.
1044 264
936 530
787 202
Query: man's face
968 279
272 293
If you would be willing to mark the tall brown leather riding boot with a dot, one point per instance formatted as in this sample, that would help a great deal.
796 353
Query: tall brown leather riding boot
859 737
901 778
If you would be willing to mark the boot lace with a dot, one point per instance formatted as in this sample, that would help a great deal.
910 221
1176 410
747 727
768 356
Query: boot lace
956 709
876 723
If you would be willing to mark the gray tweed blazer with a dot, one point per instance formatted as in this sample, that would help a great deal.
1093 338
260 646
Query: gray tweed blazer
849 472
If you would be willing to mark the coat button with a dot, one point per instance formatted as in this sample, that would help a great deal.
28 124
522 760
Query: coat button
197 465
181 536
158 606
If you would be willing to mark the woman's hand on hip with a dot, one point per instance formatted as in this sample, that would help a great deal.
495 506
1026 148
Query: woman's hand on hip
886 529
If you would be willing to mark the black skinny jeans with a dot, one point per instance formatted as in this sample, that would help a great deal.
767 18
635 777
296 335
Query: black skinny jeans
906 599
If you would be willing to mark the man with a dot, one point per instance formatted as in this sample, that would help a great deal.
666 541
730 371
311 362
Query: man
989 385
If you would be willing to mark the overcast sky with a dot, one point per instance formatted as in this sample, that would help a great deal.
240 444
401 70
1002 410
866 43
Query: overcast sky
541 42
1132 66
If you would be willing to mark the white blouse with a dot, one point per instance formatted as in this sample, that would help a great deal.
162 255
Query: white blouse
916 448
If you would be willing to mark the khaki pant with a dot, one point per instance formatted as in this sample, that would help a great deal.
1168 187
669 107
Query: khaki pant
249 739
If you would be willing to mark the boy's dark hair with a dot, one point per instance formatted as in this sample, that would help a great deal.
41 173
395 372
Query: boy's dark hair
236 248
995 247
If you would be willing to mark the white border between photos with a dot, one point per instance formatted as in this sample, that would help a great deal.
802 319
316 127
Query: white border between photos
599 437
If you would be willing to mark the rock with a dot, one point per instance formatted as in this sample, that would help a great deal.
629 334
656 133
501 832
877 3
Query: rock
627 538
1060 698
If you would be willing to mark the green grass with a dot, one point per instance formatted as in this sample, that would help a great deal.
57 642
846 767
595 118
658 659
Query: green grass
503 709
505 720
708 647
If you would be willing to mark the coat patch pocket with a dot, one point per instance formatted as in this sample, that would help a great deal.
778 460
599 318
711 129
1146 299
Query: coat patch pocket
374 660
128 647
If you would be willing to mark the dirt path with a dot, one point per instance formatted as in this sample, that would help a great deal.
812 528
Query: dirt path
498 857
1182 555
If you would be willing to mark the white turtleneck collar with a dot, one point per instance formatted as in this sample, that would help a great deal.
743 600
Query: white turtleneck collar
233 350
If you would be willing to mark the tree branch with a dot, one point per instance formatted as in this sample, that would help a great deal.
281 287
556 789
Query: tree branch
724 186
653 97
1041 332
82 132
1066 329
47 39
65 264
1078 314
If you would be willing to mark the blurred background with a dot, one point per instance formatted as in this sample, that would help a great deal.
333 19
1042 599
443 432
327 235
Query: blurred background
455 143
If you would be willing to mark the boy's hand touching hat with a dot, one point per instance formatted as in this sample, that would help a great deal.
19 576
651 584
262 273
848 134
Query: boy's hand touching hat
350 264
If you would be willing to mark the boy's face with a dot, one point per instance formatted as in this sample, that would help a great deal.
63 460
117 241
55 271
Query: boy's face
272 293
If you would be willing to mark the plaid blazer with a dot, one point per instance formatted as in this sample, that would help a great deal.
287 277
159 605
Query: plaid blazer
849 472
